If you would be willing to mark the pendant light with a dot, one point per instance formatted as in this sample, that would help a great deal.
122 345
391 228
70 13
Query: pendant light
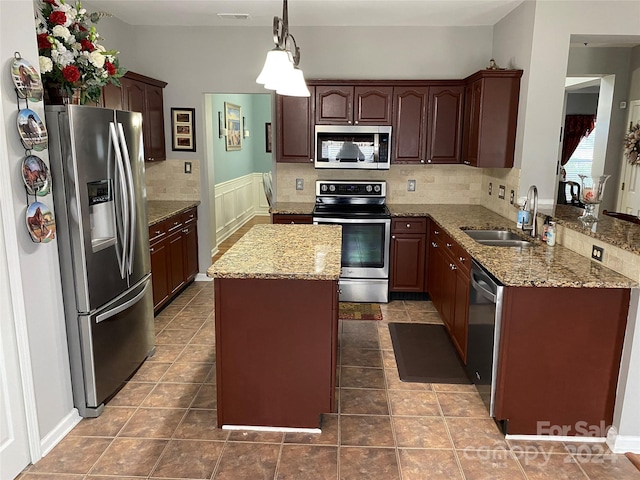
280 71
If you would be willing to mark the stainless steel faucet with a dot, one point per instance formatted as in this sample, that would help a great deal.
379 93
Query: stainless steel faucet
532 197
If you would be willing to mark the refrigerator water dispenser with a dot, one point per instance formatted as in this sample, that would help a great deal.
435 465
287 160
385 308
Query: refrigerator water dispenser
102 215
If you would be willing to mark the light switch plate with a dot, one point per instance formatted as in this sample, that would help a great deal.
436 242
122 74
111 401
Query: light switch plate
299 183
512 197
501 192
187 167
411 185
490 188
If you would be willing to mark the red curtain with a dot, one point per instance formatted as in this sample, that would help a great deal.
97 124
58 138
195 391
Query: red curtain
576 127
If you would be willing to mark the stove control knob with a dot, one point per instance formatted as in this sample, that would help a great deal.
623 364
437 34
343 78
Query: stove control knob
377 188
323 187
369 188
332 188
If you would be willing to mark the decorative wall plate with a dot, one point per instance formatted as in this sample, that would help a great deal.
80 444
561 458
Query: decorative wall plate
41 223
32 131
27 80
36 176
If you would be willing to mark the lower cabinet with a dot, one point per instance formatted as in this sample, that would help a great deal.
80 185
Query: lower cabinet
173 245
291 218
408 240
448 281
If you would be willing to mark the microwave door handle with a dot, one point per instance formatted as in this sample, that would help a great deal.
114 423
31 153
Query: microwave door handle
119 173
132 198
376 148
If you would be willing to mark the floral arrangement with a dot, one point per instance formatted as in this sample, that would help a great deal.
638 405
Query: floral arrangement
632 145
70 56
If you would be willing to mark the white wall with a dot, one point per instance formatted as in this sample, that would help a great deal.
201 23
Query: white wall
634 67
38 262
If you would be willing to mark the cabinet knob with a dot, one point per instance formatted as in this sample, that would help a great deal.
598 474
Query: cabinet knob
151 249
429 161
158 232
449 245
436 232
393 237
186 230
408 225
356 122
462 259
467 162
421 161
434 244
452 266
349 122
311 160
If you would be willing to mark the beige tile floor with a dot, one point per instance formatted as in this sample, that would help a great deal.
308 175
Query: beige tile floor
161 425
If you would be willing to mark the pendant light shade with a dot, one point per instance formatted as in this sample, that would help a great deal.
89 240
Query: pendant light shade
280 71
294 85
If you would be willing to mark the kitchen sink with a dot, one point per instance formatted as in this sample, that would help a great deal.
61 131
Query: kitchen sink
498 238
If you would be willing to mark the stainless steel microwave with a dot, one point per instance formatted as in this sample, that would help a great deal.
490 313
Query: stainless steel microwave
353 146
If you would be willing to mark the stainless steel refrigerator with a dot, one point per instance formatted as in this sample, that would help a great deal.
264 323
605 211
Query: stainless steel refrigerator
97 168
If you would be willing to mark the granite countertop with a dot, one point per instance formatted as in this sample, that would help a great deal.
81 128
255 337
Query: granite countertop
292 208
159 210
539 265
304 252
620 233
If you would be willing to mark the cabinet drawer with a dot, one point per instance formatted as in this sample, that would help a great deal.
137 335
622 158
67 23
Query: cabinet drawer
174 223
463 259
409 225
157 232
189 216
449 244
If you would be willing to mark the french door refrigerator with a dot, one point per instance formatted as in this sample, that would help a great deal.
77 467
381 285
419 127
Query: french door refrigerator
97 168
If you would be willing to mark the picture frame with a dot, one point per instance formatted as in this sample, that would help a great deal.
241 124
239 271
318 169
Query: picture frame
267 137
183 129
232 121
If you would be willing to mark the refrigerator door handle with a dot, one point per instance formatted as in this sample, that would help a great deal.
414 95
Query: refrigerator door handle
120 308
132 199
119 170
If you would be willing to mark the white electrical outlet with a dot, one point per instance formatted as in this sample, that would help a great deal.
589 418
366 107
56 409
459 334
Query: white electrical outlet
411 186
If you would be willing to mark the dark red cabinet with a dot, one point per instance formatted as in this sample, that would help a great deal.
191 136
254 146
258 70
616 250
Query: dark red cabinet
408 239
409 135
353 105
295 128
444 138
291 218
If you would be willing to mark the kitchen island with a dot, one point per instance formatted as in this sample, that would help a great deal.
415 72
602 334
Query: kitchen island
276 321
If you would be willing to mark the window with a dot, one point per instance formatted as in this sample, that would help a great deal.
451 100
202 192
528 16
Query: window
581 160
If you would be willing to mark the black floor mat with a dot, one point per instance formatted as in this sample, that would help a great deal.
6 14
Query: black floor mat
425 353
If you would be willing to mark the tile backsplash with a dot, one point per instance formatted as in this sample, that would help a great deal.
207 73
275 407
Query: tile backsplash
167 180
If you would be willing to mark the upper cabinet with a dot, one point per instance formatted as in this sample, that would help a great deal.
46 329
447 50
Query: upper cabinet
490 118
444 137
145 95
353 105
295 128
409 134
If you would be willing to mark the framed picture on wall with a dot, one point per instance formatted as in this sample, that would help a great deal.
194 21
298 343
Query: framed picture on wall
183 133
232 119
267 137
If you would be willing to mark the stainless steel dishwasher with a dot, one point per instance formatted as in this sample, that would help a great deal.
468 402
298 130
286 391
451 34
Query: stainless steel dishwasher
485 310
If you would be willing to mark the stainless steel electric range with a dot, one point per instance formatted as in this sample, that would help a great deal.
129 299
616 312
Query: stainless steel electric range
360 207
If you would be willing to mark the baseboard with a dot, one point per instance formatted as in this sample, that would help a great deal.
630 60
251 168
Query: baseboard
202 277
59 432
623 443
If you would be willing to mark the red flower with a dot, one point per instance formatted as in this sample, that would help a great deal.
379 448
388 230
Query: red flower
43 41
51 2
110 68
87 45
58 18
71 73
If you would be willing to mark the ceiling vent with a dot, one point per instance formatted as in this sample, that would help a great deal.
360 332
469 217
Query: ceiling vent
234 16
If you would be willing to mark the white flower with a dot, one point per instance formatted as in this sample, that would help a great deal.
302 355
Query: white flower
97 58
61 32
46 65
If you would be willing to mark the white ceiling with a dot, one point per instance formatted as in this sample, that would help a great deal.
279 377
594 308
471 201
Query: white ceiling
310 12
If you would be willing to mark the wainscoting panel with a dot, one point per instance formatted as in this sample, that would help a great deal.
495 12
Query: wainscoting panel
236 202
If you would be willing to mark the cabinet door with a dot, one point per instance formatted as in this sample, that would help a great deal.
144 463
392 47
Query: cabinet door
334 105
473 99
410 124
190 234
294 129
445 124
407 263
133 96
461 314
160 273
176 258
448 278
111 97
373 105
154 146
